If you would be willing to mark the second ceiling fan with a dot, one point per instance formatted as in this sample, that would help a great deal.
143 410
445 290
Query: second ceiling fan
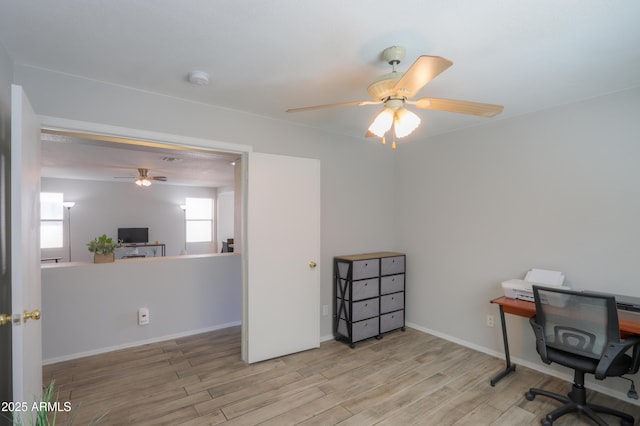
143 178
395 89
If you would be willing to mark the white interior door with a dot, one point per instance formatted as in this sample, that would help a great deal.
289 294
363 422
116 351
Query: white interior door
283 246
25 248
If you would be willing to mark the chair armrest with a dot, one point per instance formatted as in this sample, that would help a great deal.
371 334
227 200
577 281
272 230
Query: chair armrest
541 345
616 350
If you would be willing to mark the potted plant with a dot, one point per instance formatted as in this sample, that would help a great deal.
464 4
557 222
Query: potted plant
103 249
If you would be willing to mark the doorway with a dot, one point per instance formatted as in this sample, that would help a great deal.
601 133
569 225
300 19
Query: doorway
93 161
300 220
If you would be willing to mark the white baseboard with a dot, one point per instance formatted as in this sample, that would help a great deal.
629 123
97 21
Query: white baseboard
519 361
326 338
137 343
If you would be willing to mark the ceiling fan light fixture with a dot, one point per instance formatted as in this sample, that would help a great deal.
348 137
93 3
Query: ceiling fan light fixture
143 182
405 122
382 123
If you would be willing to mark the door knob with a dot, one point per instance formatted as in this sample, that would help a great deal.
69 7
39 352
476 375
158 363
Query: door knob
312 264
34 315
5 319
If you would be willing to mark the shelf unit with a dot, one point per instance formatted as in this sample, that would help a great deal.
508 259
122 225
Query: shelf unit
369 297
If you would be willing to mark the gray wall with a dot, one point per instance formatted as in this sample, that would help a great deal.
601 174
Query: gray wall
103 207
558 189
226 215
356 175
88 309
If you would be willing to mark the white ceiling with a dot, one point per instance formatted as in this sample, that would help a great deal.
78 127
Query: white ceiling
71 157
267 56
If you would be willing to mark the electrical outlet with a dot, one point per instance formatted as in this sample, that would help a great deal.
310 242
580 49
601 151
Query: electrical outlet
325 310
490 320
143 316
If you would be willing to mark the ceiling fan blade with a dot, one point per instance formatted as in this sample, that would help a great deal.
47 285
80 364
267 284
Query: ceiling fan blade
462 107
342 104
160 178
423 70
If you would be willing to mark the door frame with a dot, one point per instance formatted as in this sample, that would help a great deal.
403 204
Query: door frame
24 164
125 133
6 361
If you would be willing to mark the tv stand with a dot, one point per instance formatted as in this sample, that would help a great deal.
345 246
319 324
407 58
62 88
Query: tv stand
162 246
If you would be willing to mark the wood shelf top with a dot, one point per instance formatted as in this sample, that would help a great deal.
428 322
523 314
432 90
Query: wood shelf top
364 256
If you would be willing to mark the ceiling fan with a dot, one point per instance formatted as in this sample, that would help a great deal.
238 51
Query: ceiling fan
143 178
395 89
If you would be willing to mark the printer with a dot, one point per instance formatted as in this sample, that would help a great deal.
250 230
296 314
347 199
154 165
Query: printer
522 289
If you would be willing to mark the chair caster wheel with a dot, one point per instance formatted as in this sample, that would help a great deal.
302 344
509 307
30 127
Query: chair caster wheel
624 422
546 422
529 396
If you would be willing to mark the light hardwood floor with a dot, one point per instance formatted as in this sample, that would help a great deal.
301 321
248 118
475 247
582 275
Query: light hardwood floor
403 379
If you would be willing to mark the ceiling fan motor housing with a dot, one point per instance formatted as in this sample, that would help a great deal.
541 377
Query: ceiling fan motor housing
383 87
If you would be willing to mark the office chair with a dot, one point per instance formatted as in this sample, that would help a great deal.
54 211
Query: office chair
580 330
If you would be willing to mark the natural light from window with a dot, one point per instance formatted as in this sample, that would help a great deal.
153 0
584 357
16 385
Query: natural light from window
51 220
199 217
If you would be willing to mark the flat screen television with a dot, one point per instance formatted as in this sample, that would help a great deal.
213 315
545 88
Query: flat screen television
133 235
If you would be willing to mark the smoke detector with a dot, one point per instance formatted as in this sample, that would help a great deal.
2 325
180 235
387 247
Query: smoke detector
199 78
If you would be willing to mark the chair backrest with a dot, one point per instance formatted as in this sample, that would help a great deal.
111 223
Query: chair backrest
578 322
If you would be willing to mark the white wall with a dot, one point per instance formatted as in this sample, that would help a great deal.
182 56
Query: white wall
558 189
356 174
103 207
92 308
226 217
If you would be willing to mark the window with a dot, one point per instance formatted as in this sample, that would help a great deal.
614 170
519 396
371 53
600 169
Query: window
51 217
199 217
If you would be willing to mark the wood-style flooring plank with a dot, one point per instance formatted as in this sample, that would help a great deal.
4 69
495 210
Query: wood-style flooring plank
406 378
423 409
245 392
